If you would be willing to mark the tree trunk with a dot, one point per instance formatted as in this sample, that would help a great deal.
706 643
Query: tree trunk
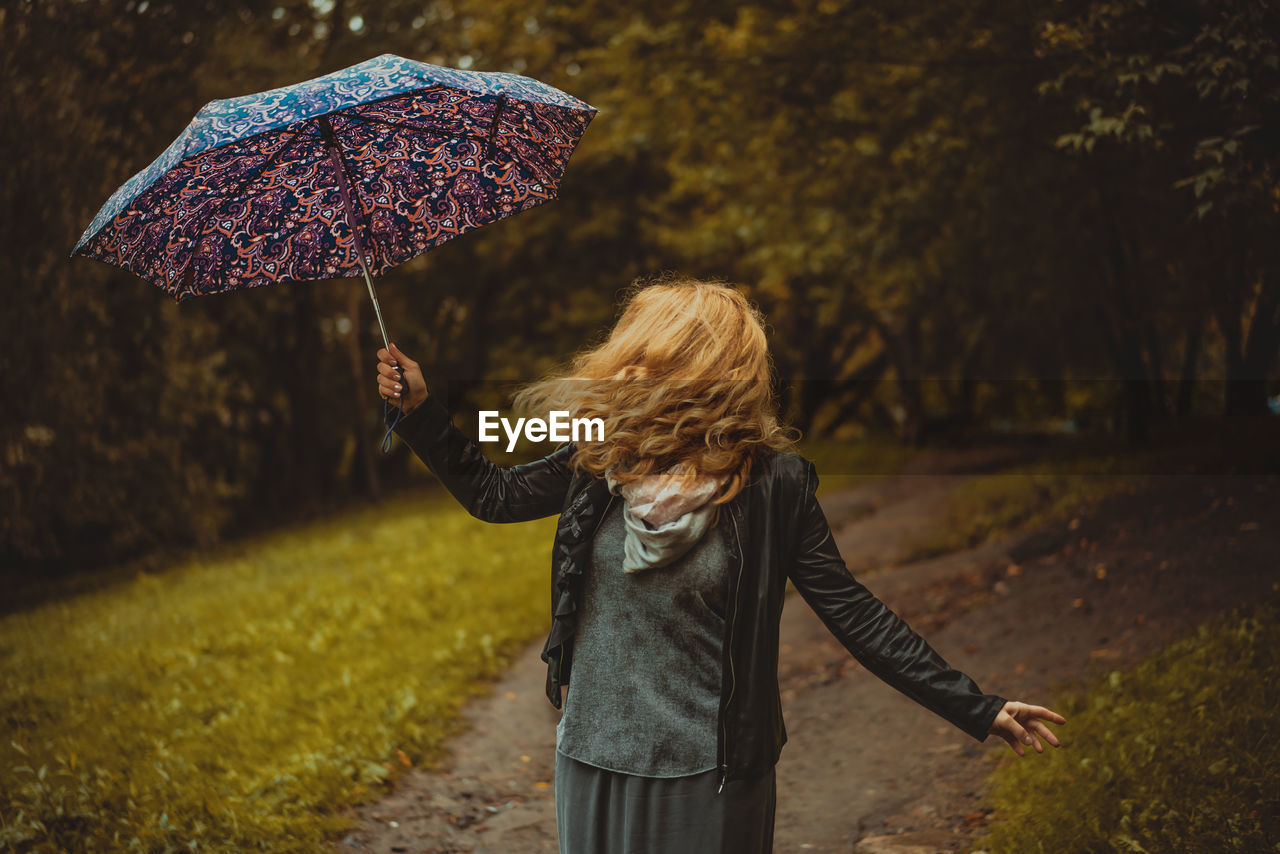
306 482
1135 401
1187 378
1123 341
1260 350
1120 320
902 354
822 357
1158 394
1249 357
473 364
860 386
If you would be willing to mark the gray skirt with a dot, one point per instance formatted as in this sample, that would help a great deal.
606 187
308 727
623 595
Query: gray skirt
607 812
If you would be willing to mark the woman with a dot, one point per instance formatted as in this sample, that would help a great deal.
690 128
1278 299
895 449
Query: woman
678 532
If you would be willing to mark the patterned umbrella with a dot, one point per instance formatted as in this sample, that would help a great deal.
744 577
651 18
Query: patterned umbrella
347 174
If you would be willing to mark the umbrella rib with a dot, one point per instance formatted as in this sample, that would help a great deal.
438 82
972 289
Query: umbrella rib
244 185
347 186
400 227
428 131
242 140
408 127
493 125
491 147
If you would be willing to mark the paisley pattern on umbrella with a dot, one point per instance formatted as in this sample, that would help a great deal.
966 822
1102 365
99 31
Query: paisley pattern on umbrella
425 161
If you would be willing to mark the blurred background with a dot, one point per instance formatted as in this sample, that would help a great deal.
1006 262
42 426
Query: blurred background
1040 225
1056 214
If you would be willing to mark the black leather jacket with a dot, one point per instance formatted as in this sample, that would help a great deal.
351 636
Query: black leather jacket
775 529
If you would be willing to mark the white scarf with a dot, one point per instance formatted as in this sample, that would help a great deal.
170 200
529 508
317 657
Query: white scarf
665 515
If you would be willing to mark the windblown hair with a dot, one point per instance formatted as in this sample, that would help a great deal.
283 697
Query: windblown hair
684 377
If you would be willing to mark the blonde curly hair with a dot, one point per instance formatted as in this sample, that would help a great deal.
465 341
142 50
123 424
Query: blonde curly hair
683 378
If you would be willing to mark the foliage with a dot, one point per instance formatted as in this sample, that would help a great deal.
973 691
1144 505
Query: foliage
951 214
1180 754
237 701
1174 115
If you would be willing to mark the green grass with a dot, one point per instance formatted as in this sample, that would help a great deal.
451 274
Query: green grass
1180 754
1062 484
236 702
841 463
1068 478
992 505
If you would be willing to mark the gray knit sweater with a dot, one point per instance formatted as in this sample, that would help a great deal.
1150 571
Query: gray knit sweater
645 693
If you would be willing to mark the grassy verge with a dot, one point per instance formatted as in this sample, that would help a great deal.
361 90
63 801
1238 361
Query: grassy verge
988 506
1067 479
238 701
843 463
1180 754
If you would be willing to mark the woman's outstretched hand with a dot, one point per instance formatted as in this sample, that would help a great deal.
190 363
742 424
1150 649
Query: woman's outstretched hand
391 385
1023 723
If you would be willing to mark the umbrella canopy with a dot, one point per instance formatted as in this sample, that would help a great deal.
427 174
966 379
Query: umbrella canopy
350 173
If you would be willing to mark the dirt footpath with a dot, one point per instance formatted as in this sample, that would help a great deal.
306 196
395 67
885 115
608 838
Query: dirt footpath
865 769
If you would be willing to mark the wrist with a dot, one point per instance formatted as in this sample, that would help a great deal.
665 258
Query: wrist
410 407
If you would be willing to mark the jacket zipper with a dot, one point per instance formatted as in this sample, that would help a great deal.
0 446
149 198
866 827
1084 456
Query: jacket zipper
733 682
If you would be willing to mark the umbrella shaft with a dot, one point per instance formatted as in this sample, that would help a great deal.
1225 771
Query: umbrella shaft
373 295
344 188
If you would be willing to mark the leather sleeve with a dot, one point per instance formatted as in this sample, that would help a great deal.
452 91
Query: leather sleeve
877 637
488 491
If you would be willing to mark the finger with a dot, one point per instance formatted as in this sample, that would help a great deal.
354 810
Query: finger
401 357
389 388
1013 743
1041 712
389 371
1044 732
1018 731
384 355
1047 714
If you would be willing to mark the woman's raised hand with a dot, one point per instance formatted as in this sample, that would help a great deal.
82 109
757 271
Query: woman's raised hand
1022 723
391 385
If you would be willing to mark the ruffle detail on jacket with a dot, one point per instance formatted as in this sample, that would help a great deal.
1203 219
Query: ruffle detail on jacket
572 543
